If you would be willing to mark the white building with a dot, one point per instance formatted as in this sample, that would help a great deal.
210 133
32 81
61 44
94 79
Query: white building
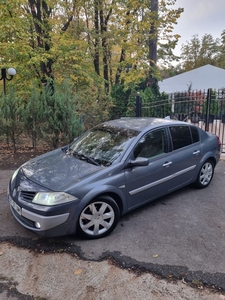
201 78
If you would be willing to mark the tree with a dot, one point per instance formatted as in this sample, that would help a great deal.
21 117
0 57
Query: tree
113 34
33 112
120 101
199 52
11 110
89 44
34 38
221 51
59 121
43 28
125 35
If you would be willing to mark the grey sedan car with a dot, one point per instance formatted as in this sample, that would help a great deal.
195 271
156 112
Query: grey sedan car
110 170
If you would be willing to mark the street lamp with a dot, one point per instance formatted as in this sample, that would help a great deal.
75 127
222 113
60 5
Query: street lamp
11 72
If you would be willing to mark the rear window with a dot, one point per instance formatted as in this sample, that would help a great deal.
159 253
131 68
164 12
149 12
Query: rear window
181 136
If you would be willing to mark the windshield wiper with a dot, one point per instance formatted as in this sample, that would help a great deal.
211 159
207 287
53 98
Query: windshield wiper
84 157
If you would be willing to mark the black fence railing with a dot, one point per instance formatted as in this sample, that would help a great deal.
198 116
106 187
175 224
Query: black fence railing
202 108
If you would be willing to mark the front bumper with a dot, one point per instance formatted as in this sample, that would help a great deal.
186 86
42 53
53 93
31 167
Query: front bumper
46 221
34 221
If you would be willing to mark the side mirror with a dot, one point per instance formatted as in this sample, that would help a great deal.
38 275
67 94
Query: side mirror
64 148
139 162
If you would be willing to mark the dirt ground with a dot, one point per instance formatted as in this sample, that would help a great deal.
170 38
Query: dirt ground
51 276
11 160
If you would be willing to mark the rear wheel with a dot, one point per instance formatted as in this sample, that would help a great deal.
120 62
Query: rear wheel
98 218
205 175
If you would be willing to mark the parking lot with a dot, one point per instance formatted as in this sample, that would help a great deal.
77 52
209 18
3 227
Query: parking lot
180 236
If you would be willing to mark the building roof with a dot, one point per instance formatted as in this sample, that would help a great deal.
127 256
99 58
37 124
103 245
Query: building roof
201 78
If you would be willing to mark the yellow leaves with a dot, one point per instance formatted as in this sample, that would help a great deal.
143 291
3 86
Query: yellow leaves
134 76
73 51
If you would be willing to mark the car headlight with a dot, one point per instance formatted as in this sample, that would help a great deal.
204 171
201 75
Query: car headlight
52 198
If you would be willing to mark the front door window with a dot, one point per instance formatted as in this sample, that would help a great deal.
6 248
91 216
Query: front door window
152 144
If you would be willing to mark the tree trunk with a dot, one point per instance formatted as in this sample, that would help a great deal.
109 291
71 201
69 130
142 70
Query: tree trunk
104 50
96 42
153 39
41 13
119 69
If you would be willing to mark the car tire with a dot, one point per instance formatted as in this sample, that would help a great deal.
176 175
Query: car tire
205 175
98 218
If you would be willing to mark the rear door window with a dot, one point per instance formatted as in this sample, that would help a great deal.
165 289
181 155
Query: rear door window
195 134
181 136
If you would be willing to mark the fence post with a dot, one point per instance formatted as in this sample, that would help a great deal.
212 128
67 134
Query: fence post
208 101
138 105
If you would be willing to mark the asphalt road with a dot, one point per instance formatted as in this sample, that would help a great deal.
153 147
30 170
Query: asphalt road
181 235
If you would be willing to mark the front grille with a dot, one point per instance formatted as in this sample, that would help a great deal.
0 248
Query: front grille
27 196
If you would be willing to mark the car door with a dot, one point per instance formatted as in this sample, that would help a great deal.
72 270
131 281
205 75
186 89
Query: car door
145 183
186 154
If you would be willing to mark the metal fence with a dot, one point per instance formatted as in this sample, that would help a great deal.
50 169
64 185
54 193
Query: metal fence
205 109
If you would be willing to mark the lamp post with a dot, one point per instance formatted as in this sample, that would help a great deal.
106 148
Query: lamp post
11 72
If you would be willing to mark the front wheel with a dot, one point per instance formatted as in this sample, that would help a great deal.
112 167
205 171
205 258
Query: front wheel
98 218
205 175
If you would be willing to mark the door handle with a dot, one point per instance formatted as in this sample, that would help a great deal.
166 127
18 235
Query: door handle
167 164
196 152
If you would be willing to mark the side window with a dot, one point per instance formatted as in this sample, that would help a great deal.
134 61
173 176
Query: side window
195 134
181 136
152 144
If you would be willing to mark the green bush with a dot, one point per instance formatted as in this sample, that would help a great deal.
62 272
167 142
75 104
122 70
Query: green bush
60 123
12 125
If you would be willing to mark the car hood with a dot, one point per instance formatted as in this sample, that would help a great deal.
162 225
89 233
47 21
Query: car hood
57 170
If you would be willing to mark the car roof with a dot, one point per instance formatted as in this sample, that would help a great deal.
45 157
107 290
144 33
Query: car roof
140 124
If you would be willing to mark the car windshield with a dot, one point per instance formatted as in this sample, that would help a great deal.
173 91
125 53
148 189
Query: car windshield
103 144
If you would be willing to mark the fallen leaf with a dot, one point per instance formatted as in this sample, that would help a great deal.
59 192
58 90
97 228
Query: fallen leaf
78 272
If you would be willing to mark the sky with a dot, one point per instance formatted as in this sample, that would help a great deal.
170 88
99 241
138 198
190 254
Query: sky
199 17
